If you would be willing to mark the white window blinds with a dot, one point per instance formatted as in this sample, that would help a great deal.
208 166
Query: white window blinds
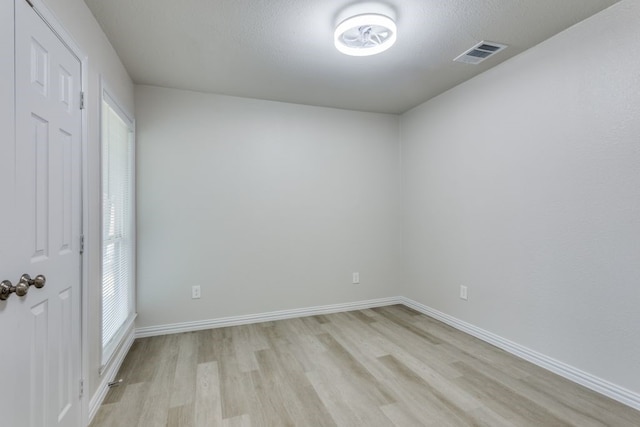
117 227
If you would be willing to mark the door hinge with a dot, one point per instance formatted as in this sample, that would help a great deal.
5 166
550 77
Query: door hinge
82 100
81 388
82 243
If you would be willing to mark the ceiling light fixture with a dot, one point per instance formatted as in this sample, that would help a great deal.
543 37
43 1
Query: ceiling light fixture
365 34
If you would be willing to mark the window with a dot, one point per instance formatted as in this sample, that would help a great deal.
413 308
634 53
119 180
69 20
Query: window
117 226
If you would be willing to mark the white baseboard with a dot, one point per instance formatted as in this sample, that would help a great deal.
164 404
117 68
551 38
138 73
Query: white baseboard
571 373
175 328
110 373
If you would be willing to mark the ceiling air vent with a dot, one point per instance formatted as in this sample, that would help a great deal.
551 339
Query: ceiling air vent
480 52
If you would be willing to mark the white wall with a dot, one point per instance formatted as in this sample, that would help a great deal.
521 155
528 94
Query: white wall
524 185
267 206
102 60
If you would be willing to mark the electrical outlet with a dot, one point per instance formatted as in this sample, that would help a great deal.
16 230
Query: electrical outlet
463 292
355 278
195 292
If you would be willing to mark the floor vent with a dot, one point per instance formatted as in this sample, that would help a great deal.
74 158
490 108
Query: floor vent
480 52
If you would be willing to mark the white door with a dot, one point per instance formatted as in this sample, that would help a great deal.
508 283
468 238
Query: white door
40 331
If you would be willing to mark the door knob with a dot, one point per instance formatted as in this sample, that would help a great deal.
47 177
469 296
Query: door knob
22 287
5 289
38 282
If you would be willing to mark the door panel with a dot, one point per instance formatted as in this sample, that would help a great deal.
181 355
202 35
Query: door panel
40 333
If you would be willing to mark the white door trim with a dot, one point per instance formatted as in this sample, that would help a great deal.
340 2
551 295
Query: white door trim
54 23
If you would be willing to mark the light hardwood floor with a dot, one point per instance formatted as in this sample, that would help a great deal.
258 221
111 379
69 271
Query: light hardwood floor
388 366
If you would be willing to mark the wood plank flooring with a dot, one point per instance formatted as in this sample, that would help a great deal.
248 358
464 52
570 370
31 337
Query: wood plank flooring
388 366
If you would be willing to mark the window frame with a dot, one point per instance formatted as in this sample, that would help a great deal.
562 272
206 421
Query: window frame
108 351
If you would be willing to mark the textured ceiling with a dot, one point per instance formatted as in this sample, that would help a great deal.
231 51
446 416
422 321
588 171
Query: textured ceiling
283 50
